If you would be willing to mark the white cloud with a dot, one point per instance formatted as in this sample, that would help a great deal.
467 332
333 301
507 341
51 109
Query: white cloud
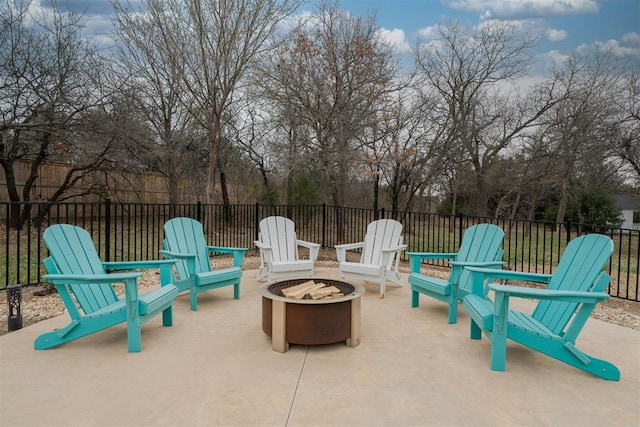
486 15
536 27
519 8
628 47
295 20
544 62
428 33
557 57
621 50
632 39
35 12
96 27
554 35
396 38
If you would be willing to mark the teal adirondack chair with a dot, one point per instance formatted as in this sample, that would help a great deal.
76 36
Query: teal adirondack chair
185 241
572 293
481 246
87 292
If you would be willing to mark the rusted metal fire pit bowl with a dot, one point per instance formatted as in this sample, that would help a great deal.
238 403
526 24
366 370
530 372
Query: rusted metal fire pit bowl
307 321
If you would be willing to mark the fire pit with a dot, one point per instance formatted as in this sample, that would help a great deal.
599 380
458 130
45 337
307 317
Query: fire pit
309 321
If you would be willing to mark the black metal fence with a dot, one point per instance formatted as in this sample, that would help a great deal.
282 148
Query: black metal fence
133 231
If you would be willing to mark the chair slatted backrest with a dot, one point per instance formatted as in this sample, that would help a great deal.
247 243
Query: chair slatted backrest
382 233
186 236
73 252
279 233
578 270
480 243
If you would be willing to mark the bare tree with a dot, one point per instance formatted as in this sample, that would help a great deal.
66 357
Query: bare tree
332 75
261 135
578 129
49 82
627 133
404 150
153 80
214 43
469 69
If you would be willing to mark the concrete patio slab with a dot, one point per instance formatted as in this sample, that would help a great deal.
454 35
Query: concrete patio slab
216 367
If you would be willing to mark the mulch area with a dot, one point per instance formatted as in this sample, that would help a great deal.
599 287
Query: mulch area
38 304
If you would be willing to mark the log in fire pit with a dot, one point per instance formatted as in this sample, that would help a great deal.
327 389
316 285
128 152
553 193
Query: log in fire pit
334 315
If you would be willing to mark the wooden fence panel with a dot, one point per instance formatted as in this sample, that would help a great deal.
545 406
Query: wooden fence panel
122 187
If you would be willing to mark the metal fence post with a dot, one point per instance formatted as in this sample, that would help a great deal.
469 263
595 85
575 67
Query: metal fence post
460 227
567 228
107 229
324 225
256 225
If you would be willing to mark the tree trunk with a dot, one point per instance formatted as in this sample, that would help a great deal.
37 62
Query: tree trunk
214 155
12 190
226 205
564 201
454 203
376 193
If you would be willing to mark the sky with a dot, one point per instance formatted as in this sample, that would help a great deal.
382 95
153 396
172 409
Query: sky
563 26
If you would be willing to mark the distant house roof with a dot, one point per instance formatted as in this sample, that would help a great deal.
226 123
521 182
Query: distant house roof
627 202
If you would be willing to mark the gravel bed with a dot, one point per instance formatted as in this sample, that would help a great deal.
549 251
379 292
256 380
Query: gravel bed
37 305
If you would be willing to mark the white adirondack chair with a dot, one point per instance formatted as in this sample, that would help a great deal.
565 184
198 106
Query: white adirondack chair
278 247
380 254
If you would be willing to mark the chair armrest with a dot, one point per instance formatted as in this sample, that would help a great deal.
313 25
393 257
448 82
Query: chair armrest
188 259
341 250
432 255
349 246
226 249
547 294
261 245
314 248
135 265
389 253
177 255
479 275
89 279
415 258
395 249
493 273
238 253
486 264
265 253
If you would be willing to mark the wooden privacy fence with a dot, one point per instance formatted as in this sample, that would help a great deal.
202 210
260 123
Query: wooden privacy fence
133 231
122 186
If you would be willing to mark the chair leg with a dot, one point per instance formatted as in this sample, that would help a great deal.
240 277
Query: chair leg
475 333
134 335
167 316
415 298
193 296
453 310
382 286
498 352
236 290
499 335
262 272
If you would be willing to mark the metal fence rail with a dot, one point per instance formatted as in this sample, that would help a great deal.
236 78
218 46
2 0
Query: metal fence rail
133 231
